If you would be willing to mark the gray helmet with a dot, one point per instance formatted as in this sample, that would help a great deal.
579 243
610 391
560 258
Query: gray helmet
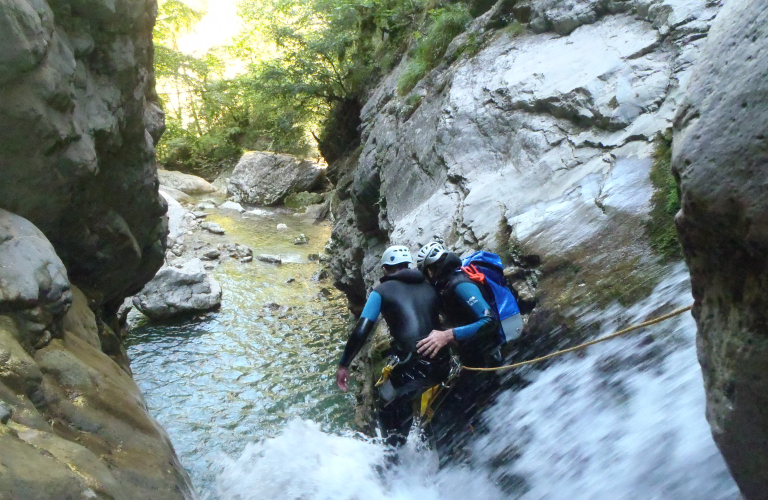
395 255
429 254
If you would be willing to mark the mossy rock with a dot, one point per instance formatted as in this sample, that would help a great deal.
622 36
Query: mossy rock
302 199
665 202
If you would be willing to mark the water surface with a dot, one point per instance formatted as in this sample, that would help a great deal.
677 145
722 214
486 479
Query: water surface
230 377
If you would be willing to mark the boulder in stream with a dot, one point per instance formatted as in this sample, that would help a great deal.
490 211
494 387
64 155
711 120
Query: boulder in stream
263 178
231 205
186 183
212 227
178 291
270 259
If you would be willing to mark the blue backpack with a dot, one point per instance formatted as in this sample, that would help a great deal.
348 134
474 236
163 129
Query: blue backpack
486 270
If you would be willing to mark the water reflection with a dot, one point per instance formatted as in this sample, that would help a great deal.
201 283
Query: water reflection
220 380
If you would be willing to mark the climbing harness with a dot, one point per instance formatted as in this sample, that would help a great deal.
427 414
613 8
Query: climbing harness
432 398
392 362
584 345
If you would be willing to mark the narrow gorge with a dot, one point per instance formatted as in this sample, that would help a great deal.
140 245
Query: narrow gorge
166 338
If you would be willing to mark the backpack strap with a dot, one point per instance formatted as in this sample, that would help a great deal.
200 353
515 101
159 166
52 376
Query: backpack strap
474 274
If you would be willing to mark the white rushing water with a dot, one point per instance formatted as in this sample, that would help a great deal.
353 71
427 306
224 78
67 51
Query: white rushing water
626 421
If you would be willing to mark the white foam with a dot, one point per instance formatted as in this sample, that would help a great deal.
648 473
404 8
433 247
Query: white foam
624 422
303 462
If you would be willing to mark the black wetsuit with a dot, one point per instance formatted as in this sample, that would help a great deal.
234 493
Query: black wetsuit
410 306
463 303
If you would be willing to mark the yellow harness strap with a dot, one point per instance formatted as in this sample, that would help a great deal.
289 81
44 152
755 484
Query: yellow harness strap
426 401
384 375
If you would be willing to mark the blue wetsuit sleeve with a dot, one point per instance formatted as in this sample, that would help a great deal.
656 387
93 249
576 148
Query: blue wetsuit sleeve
362 329
469 296
372 307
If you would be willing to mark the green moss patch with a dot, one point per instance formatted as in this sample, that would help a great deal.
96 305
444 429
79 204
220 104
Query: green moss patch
300 200
665 202
446 23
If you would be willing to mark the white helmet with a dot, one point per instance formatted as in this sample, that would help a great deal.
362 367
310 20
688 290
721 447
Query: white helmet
396 255
429 254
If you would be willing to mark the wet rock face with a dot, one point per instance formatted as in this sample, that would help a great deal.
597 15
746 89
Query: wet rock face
539 148
32 277
69 410
267 178
79 124
721 157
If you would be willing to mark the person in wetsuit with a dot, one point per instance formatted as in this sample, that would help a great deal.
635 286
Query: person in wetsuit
476 334
410 307
475 328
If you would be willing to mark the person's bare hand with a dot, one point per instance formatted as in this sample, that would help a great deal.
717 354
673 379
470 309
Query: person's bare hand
342 376
436 340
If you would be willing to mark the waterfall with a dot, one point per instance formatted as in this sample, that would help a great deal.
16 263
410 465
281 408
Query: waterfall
624 421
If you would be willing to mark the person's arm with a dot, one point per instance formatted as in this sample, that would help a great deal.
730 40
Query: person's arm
359 336
468 296
472 299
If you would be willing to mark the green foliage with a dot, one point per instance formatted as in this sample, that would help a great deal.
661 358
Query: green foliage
310 64
665 202
445 24
173 18
413 72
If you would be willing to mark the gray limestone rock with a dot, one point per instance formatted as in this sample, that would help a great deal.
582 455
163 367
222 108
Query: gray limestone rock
212 227
211 254
231 205
178 291
177 227
539 143
266 178
186 183
270 259
720 156
79 121
243 251
32 277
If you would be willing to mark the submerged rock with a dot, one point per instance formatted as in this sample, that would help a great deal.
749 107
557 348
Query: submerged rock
266 178
301 239
720 156
186 183
205 205
212 227
271 259
320 275
178 291
211 254
231 205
